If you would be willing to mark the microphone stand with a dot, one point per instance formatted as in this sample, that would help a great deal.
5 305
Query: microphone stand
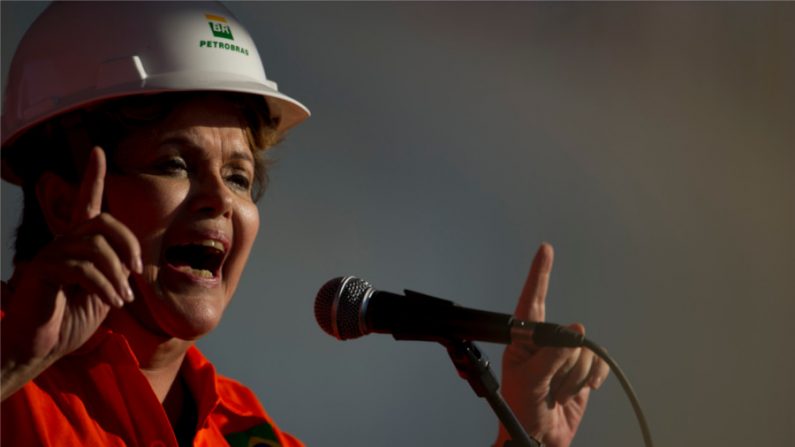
473 366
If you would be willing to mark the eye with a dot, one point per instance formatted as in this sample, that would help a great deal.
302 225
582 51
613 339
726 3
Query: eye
172 166
240 180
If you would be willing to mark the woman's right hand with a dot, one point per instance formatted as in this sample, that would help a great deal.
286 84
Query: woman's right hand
60 298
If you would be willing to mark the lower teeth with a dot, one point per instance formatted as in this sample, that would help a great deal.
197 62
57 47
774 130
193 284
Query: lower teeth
195 272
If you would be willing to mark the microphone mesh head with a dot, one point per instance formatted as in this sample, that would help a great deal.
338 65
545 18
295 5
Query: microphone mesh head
338 304
324 301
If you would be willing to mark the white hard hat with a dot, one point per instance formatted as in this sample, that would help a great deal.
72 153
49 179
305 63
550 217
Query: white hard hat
80 53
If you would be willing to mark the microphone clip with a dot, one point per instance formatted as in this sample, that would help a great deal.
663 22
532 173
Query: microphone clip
474 367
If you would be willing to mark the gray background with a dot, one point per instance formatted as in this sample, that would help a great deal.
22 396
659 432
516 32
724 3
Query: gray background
651 143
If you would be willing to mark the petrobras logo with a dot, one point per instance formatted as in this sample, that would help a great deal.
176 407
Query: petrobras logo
220 29
258 436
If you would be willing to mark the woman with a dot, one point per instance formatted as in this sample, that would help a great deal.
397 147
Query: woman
138 221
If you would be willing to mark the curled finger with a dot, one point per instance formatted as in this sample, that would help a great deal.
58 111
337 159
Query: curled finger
120 238
85 275
96 250
599 373
576 377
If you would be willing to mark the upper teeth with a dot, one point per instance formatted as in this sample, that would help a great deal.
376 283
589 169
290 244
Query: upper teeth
212 243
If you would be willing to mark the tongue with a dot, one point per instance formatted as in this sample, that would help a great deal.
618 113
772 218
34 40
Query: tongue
196 272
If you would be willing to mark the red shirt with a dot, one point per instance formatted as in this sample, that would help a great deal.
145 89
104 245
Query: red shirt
98 396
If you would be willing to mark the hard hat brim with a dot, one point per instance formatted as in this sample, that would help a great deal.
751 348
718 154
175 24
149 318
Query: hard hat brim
289 111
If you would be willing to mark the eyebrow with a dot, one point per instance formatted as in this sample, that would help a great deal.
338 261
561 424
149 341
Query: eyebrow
181 140
242 155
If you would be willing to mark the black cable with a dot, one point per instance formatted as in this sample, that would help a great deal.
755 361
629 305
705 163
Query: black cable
633 398
557 336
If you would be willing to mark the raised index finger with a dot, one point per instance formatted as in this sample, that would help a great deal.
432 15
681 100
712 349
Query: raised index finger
532 301
89 198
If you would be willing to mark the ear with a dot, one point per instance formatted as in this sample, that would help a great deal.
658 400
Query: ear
56 199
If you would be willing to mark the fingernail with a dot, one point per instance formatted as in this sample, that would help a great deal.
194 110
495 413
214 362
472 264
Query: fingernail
128 293
138 265
599 382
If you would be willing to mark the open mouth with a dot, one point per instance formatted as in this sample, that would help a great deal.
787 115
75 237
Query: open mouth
202 259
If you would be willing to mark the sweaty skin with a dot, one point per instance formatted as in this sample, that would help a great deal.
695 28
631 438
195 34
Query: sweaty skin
187 181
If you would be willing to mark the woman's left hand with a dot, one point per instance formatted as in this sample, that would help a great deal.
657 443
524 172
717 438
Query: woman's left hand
547 388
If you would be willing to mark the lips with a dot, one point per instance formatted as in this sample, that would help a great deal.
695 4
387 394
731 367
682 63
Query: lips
201 258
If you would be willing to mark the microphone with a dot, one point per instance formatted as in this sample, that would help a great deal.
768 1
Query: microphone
349 307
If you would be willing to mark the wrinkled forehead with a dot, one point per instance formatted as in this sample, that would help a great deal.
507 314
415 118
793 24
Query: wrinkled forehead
203 121
215 111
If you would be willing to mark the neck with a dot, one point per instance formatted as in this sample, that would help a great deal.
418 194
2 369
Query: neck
160 357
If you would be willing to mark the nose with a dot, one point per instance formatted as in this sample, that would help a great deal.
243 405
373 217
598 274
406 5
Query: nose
212 196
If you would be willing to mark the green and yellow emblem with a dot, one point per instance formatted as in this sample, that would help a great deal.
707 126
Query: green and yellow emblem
219 27
259 436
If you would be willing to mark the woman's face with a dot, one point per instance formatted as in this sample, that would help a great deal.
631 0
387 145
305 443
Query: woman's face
184 189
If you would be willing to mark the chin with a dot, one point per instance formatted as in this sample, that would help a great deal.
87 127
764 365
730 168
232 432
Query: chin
187 315
189 319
